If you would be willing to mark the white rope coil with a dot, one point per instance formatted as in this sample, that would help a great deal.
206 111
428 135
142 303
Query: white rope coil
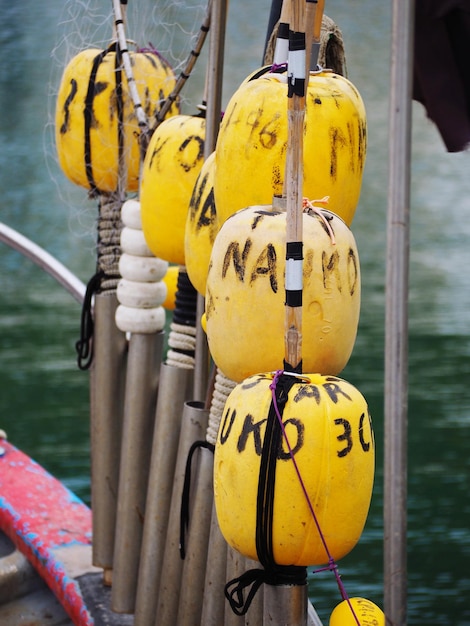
179 359
133 242
130 214
182 337
140 291
145 321
141 295
222 388
142 269
181 346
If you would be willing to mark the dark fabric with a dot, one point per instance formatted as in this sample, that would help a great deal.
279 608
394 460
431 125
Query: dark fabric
441 79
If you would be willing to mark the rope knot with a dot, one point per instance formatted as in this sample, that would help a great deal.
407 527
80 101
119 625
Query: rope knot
310 209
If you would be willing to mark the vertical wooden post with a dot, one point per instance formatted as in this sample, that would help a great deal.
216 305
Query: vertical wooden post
396 318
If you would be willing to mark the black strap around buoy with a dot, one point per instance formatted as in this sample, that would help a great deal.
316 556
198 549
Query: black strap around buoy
272 574
92 91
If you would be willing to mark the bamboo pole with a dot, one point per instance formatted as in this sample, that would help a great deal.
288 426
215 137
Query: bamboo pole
286 604
396 316
293 186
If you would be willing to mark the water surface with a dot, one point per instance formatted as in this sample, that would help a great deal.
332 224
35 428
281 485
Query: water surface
44 397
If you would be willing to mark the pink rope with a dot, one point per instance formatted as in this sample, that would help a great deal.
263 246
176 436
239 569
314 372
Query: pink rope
332 565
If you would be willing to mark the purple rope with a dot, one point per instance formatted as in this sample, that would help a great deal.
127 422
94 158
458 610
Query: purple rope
332 565
278 67
151 48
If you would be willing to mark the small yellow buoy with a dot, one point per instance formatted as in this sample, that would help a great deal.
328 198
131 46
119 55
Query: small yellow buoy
203 322
368 613
327 423
172 164
245 293
201 226
170 279
253 138
93 102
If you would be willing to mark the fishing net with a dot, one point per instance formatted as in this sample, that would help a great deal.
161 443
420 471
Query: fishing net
169 27
331 55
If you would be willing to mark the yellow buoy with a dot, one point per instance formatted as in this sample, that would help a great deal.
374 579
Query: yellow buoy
171 280
327 424
253 138
368 613
93 102
201 226
245 293
172 164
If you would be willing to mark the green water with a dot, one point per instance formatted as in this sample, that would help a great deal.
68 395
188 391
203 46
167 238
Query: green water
44 397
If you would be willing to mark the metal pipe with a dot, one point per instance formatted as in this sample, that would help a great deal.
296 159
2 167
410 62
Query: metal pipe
213 114
193 575
106 415
175 388
44 260
139 410
235 568
254 615
285 605
396 316
193 427
213 606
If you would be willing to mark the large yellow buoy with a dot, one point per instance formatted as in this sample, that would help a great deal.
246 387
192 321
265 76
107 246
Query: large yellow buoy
93 101
172 164
245 293
368 613
253 138
327 424
201 226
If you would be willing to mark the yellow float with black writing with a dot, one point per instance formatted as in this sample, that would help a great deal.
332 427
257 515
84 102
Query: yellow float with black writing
245 293
172 164
327 424
253 138
201 226
368 613
94 106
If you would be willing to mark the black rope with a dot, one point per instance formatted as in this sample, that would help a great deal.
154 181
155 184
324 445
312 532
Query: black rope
184 515
185 301
93 90
272 574
235 590
84 346
88 119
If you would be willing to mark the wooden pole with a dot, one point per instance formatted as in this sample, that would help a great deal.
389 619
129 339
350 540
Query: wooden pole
286 604
396 316
293 185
